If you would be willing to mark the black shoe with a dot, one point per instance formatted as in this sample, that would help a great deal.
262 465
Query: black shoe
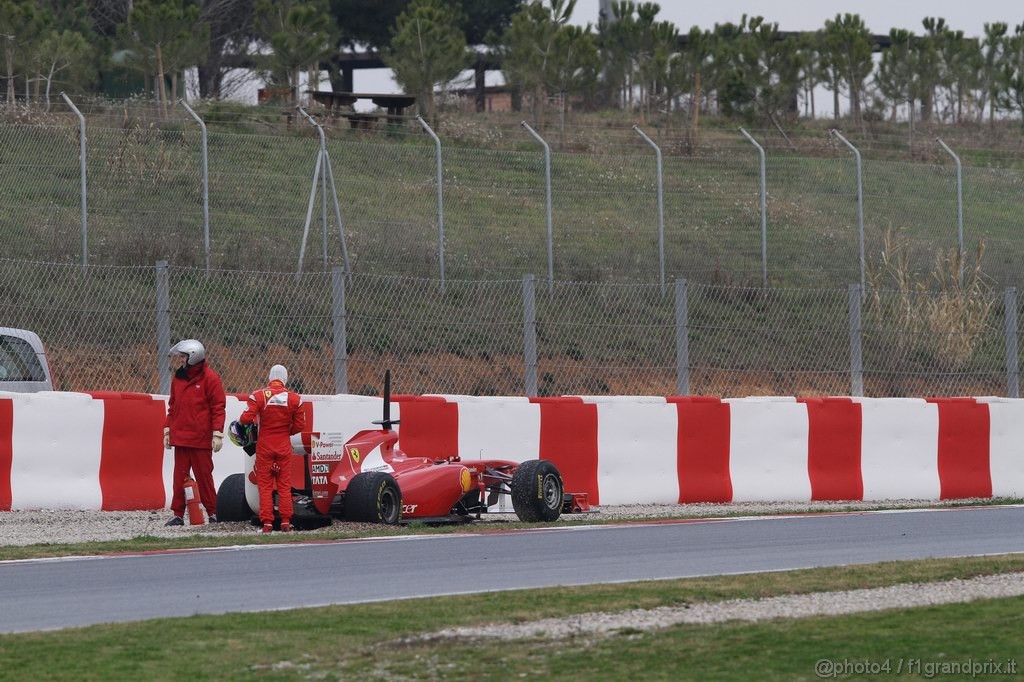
175 521
213 518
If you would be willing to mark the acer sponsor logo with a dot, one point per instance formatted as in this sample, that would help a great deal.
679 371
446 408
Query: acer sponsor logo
319 469
319 480
409 508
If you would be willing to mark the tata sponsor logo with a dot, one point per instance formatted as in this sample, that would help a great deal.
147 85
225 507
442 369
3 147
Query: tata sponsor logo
319 480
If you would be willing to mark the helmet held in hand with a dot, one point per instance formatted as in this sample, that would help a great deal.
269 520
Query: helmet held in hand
244 436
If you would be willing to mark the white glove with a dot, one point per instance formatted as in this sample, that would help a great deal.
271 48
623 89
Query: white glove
218 441
167 438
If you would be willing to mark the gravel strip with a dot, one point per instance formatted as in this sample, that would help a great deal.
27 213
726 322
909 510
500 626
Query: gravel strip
72 526
750 610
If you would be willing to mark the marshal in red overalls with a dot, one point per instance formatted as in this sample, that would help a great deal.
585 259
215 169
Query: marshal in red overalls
279 414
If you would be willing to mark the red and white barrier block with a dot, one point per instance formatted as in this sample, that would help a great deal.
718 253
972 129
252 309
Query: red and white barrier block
104 451
623 450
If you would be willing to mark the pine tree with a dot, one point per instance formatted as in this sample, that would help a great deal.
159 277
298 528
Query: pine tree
847 47
155 35
299 34
427 49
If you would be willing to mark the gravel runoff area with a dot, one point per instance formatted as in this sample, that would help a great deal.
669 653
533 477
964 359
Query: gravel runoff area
751 610
73 526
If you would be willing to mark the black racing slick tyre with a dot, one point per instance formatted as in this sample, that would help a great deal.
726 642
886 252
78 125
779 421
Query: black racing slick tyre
231 502
373 497
537 491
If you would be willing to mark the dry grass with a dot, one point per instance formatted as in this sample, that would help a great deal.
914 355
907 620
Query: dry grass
939 314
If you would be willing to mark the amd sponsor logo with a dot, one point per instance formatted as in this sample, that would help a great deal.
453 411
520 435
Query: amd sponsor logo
319 480
319 469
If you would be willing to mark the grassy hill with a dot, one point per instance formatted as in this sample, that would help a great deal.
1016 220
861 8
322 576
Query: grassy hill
605 327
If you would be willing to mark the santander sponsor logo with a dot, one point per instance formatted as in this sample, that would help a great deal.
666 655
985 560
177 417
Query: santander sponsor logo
327 447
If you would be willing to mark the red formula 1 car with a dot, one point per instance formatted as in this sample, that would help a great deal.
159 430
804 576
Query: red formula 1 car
368 479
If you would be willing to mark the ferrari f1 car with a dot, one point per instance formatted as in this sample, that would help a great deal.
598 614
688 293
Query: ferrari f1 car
369 479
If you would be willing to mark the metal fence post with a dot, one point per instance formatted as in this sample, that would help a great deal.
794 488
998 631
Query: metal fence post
163 325
547 186
860 205
440 198
82 171
529 336
959 205
309 213
206 185
323 180
340 333
682 339
764 209
1012 357
856 361
337 214
661 211
323 159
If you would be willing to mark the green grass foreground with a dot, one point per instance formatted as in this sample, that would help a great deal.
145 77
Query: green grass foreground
373 641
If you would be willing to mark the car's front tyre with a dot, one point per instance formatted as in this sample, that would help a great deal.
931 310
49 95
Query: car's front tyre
537 491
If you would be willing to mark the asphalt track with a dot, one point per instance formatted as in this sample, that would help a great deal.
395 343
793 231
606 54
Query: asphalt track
58 593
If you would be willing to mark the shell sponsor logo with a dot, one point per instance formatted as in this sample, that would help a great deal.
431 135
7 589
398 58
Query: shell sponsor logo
466 480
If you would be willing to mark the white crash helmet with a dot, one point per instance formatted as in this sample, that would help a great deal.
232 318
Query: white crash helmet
192 350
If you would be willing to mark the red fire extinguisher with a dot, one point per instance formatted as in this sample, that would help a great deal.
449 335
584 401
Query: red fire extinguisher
195 512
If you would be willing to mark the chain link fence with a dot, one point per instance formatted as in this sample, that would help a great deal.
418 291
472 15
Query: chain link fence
605 323
145 203
109 328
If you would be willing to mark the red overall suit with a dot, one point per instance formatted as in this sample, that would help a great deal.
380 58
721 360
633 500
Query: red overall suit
279 414
195 409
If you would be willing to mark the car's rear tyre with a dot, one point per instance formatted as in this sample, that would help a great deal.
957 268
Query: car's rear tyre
231 503
537 491
373 497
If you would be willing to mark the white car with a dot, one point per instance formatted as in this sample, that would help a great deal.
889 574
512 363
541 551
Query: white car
23 366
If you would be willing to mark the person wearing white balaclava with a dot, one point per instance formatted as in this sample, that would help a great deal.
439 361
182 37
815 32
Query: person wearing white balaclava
279 414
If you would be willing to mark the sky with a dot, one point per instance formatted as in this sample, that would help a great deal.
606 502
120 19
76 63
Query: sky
805 15
969 16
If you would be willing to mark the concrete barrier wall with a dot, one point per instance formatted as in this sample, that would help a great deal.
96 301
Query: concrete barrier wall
103 450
